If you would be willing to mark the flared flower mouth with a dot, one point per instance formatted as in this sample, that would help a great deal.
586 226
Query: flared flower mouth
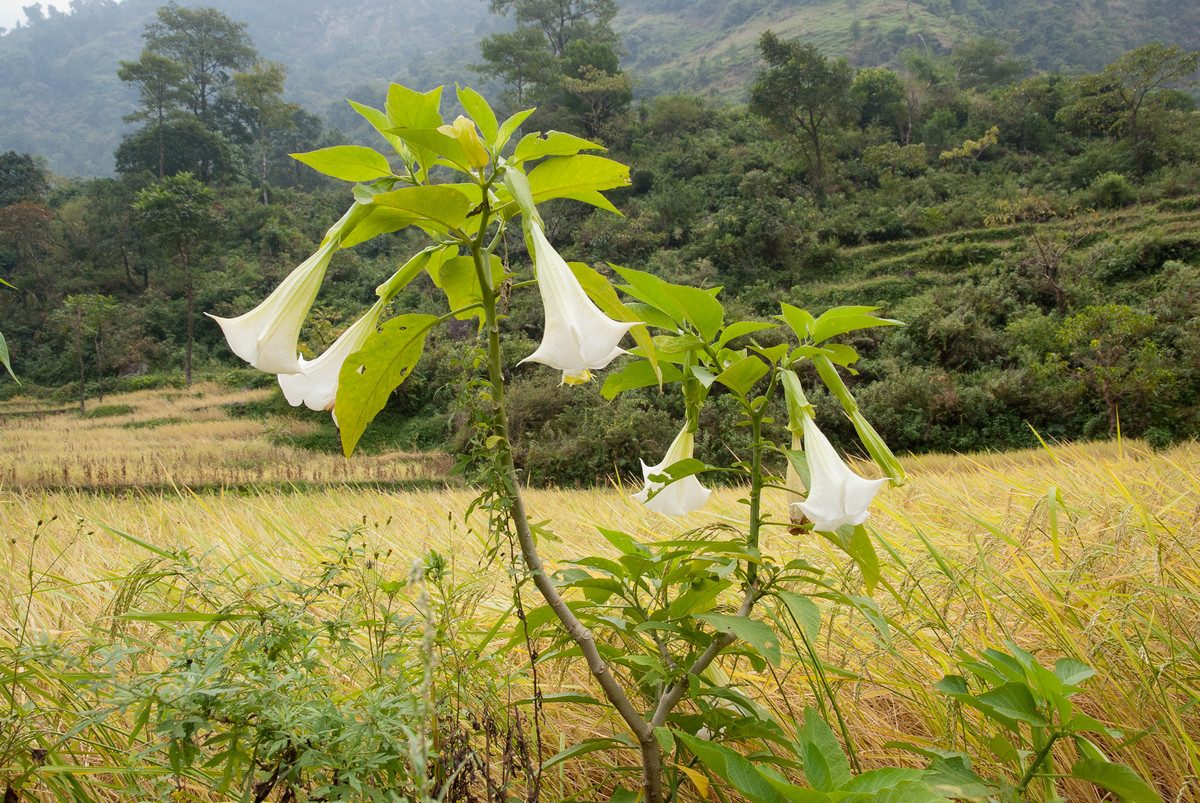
266 336
315 384
837 495
578 338
681 496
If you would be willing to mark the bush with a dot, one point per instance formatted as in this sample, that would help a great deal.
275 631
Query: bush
1110 191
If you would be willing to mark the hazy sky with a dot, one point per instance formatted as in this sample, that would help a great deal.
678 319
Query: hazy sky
10 10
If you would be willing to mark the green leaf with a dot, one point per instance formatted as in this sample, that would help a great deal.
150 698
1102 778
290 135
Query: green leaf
740 328
510 127
1116 778
571 697
804 611
432 144
818 733
580 177
444 207
733 768
369 376
347 162
381 123
518 186
638 374
862 549
875 781
1072 672
377 220
1015 701
680 303
701 596
840 320
4 358
457 277
585 747
743 374
555 143
623 542
800 321
759 635
478 110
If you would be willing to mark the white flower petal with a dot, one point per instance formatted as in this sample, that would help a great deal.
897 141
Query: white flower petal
838 496
266 336
578 337
679 497
315 385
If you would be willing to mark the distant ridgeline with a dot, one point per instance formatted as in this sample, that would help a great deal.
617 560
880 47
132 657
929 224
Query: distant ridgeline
65 102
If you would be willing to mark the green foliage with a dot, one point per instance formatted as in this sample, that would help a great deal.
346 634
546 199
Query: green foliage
1028 709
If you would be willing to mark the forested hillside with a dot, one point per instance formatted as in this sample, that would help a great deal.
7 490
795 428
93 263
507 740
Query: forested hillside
65 102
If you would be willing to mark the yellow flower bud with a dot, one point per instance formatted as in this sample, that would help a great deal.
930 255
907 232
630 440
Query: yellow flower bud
468 136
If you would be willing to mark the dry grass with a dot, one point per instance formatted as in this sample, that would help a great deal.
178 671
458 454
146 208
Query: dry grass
174 438
1081 551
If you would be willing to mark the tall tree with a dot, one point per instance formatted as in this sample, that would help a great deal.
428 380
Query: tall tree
260 92
208 43
161 91
22 178
179 215
1130 100
805 95
563 21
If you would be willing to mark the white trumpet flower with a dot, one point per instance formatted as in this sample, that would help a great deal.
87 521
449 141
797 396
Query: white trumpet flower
578 336
679 497
836 495
315 385
266 336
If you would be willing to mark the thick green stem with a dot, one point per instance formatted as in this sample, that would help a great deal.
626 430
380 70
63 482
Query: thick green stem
652 777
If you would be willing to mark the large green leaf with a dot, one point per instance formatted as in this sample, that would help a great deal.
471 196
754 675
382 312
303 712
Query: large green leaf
381 123
457 277
409 109
1116 778
479 111
733 768
840 320
638 374
758 635
347 162
369 376
376 221
804 611
445 208
742 375
834 766
4 357
580 177
432 143
1015 701
555 143
680 303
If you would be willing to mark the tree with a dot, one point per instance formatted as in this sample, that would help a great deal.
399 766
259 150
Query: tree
1110 351
87 317
22 178
1128 99
984 64
159 80
27 226
563 21
207 43
804 95
521 59
189 147
178 214
594 85
879 94
260 92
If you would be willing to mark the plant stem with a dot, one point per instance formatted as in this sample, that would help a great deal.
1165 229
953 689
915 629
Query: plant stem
652 779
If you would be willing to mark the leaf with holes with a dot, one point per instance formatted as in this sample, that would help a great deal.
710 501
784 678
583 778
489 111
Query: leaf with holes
369 376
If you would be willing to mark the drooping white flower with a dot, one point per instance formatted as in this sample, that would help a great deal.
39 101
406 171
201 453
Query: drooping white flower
679 497
315 385
578 336
837 495
266 336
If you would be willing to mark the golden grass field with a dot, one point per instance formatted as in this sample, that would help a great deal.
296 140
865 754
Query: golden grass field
1086 551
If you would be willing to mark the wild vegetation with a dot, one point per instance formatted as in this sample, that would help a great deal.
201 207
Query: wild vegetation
1011 627
1080 552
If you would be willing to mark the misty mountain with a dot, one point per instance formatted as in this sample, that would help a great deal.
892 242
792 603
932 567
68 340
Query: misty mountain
63 100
